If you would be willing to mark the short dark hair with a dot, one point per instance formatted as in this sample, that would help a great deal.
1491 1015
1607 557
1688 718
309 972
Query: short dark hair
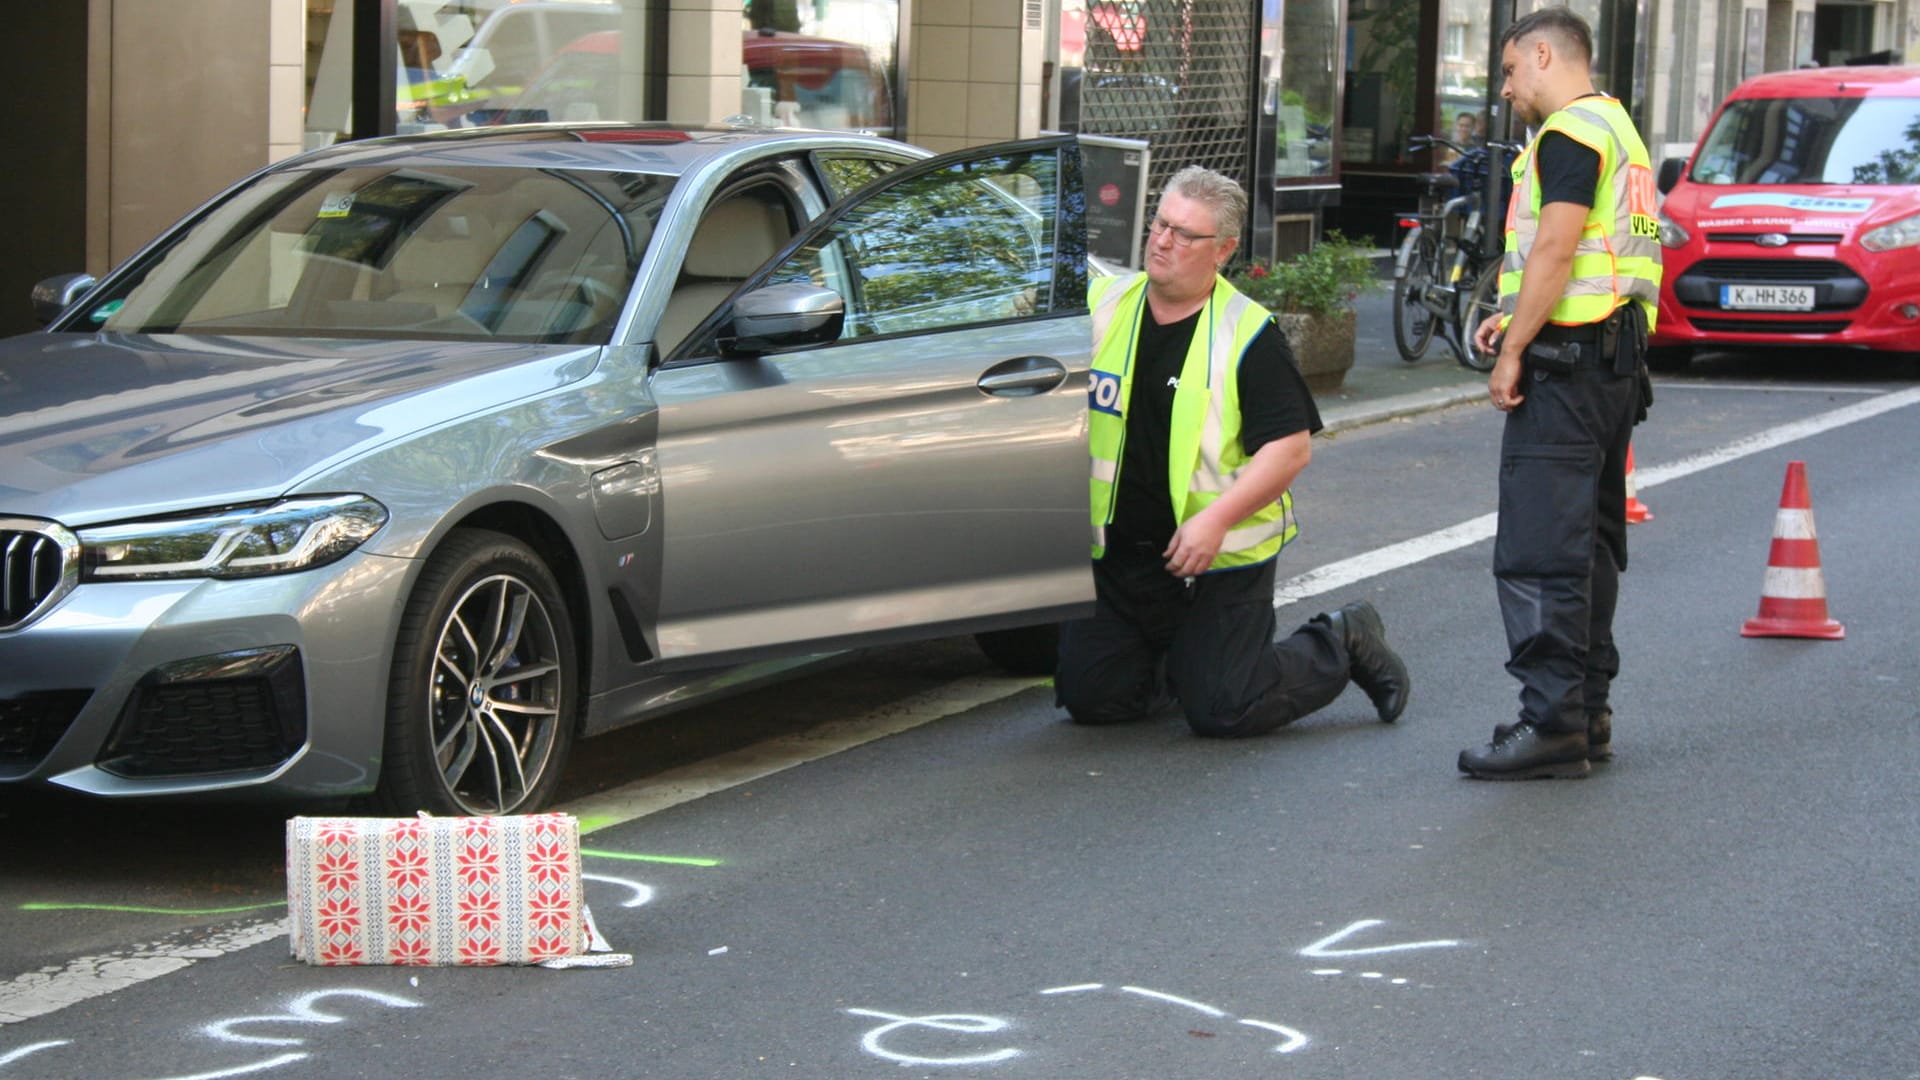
1569 31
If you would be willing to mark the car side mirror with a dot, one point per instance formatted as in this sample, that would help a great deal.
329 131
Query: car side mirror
56 294
783 316
1671 170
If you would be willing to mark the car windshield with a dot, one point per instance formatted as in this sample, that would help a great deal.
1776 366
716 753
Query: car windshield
1813 140
466 254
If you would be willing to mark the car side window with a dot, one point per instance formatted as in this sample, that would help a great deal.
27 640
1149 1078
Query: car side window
972 243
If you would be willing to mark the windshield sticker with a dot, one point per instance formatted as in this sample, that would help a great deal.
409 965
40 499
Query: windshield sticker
1795 202
336 205
105 311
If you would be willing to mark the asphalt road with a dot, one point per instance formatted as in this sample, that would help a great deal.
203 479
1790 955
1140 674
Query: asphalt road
995 893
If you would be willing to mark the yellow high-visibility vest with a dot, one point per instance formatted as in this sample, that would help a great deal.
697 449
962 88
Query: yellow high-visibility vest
1618 256
1204 453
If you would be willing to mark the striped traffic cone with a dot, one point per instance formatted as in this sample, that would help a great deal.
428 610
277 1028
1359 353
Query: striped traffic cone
1793 598
1637 511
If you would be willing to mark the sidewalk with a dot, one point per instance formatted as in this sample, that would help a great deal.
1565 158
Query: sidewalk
1382 386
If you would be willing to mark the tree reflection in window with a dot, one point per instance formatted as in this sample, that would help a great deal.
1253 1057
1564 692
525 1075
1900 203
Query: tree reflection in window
969 244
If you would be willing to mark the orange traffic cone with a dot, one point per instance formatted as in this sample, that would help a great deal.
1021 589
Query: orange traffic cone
1637 511
1793 598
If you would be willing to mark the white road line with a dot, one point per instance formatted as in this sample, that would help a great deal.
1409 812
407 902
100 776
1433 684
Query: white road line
1338 575
1767 388
53 988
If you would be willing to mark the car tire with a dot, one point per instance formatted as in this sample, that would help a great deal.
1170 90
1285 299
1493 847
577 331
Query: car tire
1669 358
1027 650
482 695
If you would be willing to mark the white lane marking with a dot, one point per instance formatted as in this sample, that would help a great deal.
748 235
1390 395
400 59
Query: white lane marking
47 990
1338 575
715 774
50 989
1765 388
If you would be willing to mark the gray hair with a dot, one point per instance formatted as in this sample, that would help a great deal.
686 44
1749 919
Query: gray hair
1217 192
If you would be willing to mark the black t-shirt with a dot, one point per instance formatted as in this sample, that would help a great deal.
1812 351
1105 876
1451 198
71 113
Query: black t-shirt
1569 172
1274 403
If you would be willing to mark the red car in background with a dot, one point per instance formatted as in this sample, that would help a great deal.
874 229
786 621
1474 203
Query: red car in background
1796 222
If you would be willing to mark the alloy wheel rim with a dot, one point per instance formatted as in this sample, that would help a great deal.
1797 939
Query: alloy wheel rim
495 696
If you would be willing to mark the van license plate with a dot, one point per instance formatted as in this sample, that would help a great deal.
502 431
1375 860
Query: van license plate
1767 297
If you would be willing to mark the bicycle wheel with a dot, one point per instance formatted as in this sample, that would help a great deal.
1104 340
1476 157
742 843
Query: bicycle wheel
1478 303
1412 321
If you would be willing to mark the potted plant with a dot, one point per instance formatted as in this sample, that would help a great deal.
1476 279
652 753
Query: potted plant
1311 295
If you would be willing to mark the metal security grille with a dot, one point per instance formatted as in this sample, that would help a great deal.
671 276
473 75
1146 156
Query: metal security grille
1177 73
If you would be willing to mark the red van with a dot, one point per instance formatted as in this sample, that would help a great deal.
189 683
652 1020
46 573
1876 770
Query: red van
1797 220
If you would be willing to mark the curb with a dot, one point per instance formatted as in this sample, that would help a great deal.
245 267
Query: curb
1346 417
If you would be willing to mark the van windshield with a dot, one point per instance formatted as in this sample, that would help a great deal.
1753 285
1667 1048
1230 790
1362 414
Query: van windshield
1813 140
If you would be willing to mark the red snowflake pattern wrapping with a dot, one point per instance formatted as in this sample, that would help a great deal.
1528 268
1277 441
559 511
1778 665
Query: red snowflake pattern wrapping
427 890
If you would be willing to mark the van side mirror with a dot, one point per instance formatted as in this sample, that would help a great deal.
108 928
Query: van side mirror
1671 170
56 294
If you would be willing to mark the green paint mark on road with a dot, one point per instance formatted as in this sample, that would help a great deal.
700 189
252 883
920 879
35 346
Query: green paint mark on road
135 909
677 860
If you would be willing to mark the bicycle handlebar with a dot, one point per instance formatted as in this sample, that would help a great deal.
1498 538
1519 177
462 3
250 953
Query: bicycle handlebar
1422 142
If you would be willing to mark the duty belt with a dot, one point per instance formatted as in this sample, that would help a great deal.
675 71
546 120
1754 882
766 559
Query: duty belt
1602 335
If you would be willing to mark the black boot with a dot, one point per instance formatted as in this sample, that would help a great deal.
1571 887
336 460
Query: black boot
1377 668
1524 752
1600 735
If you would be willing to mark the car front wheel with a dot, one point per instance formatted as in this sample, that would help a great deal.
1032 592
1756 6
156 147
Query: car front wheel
482 693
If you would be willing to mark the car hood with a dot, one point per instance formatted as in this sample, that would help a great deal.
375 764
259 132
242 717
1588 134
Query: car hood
1843 209
104 427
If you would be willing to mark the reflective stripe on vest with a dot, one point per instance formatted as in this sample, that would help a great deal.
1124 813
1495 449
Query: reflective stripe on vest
1204 454
1618 255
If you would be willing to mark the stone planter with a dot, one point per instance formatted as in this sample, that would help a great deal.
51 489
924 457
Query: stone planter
1322 346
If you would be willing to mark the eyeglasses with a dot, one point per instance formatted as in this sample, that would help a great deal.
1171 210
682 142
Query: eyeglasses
1181 237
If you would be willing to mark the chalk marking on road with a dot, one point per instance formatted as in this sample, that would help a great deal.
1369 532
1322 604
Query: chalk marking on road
970 1025
12 1056
1324 947
1194 1005
642 894
1339 575
243 1070
1295 1039
1080 989
301 1011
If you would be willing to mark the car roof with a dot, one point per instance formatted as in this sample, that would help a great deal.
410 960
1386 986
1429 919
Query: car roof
1879 81
664 149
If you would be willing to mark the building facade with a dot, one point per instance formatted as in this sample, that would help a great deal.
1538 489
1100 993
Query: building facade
150 107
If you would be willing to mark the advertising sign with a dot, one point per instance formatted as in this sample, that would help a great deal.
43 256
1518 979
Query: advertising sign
1115 174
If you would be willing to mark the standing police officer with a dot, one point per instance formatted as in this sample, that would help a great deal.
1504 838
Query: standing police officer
1198 424
1578 293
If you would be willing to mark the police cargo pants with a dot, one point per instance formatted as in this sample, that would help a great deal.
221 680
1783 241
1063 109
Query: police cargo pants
1562 540
1215 639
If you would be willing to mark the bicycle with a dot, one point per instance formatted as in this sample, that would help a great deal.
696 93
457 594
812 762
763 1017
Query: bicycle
1442 250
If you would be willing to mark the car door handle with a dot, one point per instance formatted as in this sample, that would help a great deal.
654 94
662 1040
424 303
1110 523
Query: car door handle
1023 376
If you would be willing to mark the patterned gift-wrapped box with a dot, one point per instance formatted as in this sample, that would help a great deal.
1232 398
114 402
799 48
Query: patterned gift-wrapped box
432 890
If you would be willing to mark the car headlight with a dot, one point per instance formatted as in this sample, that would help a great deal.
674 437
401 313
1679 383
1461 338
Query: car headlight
1671 234
248 541
1904 233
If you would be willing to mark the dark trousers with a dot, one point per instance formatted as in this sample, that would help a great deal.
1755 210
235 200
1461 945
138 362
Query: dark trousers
1562 540
1215 640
